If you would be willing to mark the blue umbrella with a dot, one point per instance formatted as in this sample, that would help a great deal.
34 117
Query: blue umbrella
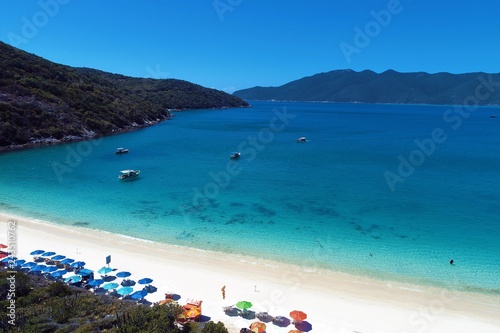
49 269
19 262
139 294
7 259
124 291
123 274
59 273
37 268
145 281
128 283
95 282
73 279
67 261
78 264
150 289
48 254
37 252
110 285
104 270
58 257
29 265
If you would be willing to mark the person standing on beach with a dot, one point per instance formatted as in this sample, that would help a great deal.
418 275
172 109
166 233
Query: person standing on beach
223 292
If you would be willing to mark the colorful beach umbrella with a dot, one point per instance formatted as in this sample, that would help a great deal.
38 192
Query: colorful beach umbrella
298 316
128 283
145 281
123 274
37 268
110 285
7 259
124 291
294 331
48 254
19 262
3 246
244 305
192 313
104 270
258 327
58 257
37 252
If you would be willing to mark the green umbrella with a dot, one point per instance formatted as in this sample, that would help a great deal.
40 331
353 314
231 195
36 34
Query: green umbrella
244 305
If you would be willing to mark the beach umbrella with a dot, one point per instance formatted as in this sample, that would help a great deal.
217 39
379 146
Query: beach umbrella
37 252
7 259
139 294
104 270
47 254
29 265
298 316
124 291
150 289
58 257
95 282
110 285
128 283
49 269
37 268
258 327
78 264
3 246
244 305
73 279
192 313
59 273
145 281
19 262
294 331
67 261
123 274
3 255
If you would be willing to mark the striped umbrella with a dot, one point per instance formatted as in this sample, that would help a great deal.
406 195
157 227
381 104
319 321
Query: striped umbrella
258 327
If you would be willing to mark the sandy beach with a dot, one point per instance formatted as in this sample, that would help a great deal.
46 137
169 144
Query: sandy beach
334 302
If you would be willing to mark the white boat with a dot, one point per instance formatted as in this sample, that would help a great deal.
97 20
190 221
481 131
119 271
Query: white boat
235 155
129 174
302 139
121 151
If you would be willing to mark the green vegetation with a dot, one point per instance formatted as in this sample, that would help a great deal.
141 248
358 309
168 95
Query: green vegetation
40 100
348 86
44 306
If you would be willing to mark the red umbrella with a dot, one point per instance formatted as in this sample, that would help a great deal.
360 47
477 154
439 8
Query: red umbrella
3 246
298 316
295 331
258 327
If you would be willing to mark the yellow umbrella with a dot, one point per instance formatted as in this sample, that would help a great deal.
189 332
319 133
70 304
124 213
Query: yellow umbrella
258 327
193 313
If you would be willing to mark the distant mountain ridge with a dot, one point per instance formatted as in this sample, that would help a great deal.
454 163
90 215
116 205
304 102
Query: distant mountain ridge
43 102
390 86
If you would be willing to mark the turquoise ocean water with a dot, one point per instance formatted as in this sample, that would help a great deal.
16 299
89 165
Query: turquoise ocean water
324 203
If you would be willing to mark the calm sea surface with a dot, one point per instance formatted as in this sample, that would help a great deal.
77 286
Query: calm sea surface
387 191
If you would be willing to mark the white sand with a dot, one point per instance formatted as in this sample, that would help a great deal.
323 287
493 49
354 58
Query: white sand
334 302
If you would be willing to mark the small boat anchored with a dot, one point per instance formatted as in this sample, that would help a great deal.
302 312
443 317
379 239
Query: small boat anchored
302 139
120 151
235 155
129 174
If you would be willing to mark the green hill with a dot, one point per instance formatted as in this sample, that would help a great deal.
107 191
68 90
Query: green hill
43 102
388 87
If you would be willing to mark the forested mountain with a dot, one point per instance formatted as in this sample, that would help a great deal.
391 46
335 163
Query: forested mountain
41 101
387 87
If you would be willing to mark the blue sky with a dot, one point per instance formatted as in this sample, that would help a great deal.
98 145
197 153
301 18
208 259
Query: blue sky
236 44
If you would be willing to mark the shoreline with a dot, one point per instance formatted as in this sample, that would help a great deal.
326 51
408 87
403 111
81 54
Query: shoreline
275 287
